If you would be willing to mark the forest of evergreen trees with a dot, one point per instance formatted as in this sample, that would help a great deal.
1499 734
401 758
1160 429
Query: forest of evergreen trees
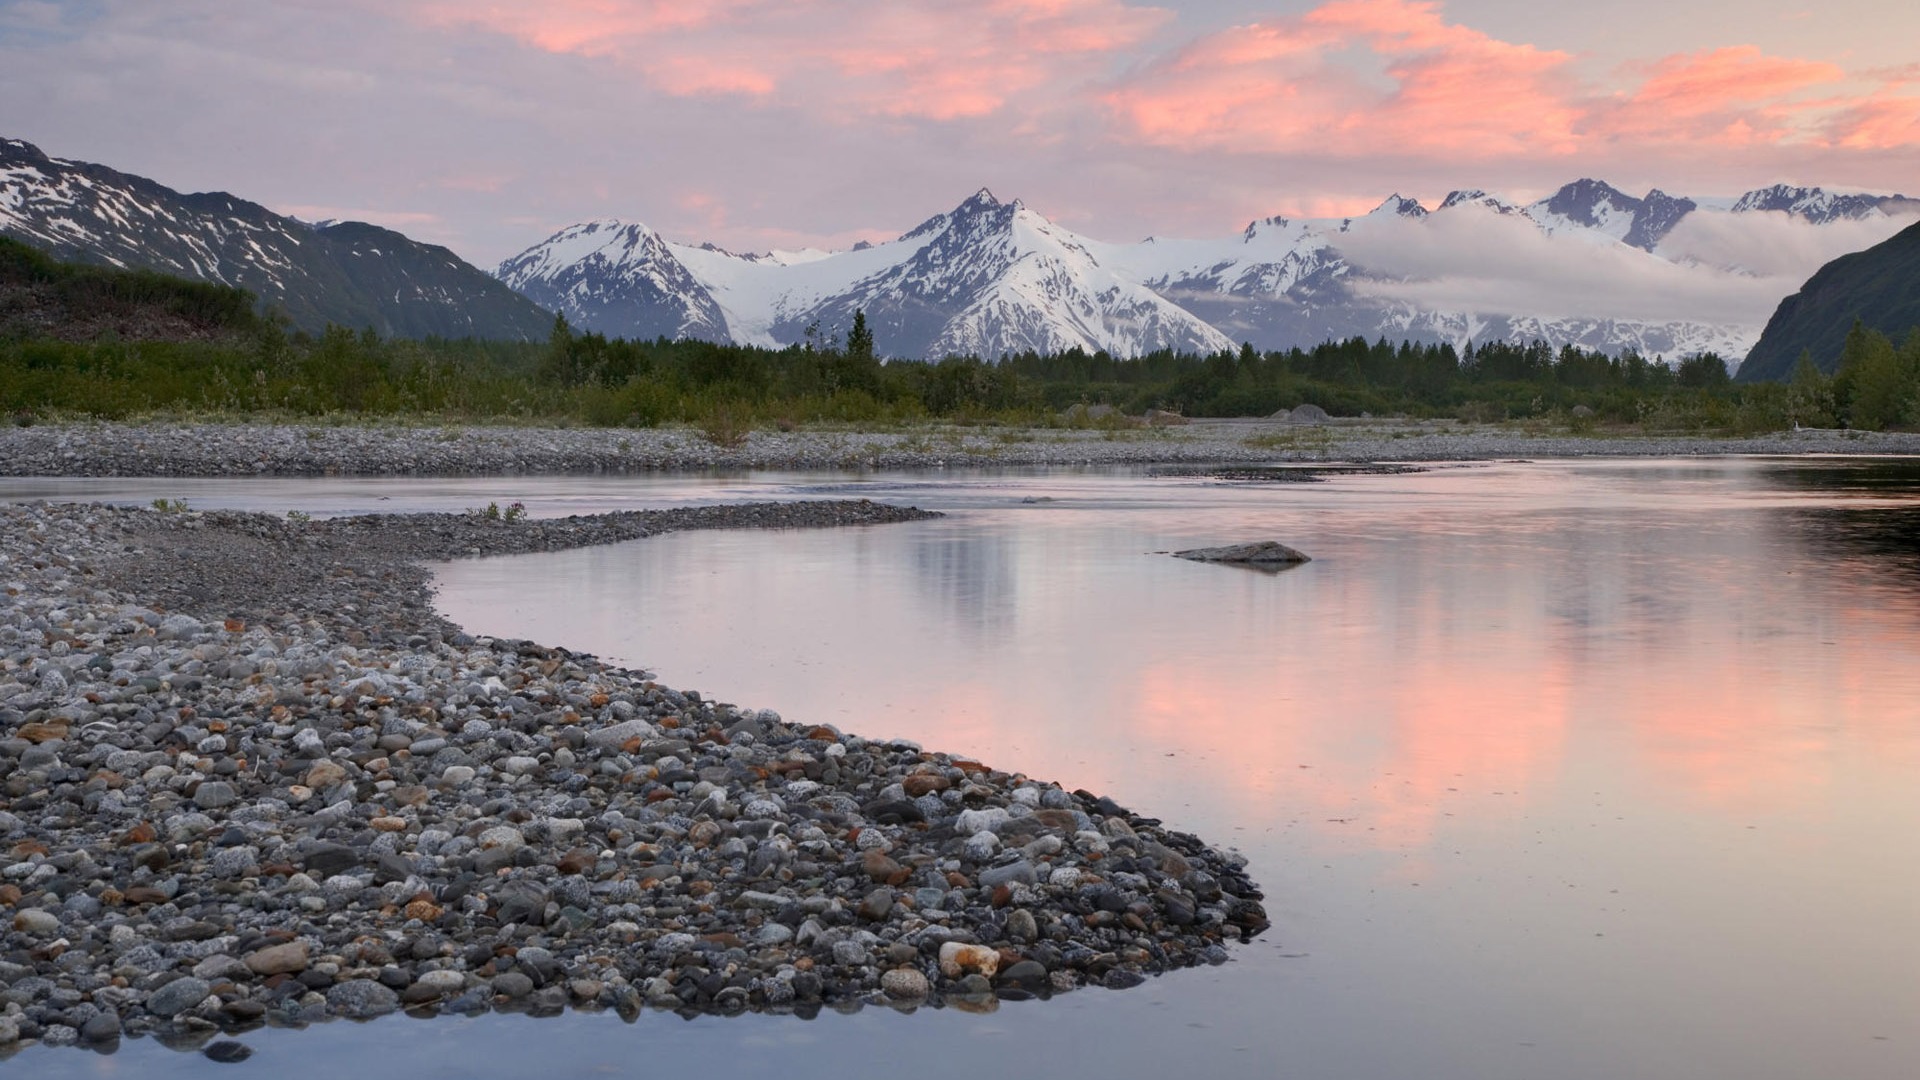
588 378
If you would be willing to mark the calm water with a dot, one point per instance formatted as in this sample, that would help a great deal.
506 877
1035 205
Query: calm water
1571 770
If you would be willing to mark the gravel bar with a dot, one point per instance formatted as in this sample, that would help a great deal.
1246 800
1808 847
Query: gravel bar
166 449
250 777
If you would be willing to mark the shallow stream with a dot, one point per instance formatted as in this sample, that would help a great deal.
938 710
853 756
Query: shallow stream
1570 770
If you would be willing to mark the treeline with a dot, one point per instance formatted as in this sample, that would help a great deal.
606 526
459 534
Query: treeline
38 294
256 367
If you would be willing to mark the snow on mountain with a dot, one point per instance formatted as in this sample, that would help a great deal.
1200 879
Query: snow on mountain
617 278
990 278
987 278
349 273
1821 207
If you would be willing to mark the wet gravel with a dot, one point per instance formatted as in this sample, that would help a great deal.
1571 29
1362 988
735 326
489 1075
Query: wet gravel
251 777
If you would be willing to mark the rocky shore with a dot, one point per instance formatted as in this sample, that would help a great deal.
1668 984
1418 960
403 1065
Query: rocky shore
251 778
167 449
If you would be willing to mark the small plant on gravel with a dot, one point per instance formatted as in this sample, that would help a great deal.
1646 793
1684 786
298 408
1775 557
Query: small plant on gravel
514 512
23 418
725 428
299 517
170 506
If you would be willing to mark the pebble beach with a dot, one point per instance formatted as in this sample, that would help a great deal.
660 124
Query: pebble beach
251 778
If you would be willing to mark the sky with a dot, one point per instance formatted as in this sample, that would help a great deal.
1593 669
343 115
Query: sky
486 125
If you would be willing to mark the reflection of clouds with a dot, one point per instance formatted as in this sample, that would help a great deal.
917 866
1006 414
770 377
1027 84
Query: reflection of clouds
1660 634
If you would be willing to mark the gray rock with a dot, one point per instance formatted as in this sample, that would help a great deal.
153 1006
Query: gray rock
1258 553
904 984
103 1026
360 998
521 901
615 736
178 996
37 922
513 985
214 795
1021 872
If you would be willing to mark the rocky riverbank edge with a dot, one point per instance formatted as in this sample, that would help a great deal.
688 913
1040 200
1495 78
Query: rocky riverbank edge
249 449
252 778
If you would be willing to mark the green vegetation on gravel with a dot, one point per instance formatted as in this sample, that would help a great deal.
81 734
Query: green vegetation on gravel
246 366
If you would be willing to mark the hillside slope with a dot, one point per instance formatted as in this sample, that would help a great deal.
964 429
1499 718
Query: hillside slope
1879 286
350 273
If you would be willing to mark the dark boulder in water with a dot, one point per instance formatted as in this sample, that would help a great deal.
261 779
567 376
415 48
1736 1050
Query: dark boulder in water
1270 553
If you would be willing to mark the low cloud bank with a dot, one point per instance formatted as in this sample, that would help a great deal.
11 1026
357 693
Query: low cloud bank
1715 267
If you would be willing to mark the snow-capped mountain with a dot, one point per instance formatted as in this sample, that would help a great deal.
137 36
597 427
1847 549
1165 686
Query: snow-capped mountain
990 278
987 278
1821 207
349 273
606 273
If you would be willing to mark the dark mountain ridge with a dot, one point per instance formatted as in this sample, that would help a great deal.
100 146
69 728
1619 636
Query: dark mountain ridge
1879 286
349 273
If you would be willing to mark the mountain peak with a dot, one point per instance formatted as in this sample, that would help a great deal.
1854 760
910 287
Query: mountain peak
980 200
1475 197
1820 206
1404 207
1253 228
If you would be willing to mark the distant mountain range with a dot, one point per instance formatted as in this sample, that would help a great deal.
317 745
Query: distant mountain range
992 277
349 273
986 278
1879 286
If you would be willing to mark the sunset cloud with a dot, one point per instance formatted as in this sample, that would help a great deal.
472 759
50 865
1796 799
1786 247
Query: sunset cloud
813 121
900 58
1426 87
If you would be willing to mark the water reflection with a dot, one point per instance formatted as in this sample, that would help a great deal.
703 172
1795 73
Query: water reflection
1516 749
1583 770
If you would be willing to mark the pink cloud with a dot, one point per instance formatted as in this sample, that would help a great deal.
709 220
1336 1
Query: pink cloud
1882 122
1285 86
588 27
1426 87
901 58
1736 95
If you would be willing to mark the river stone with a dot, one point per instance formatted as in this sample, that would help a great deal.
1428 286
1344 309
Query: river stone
514 985
1258 553
435 984
904 984
102 1026
214 794
958 959
1021 872
178 996
361 998
1021 926
520 901
326 860
1026 974
615 736
284 959
36 922
877 905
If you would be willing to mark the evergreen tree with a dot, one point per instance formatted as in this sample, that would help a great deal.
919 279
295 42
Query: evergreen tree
860 339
